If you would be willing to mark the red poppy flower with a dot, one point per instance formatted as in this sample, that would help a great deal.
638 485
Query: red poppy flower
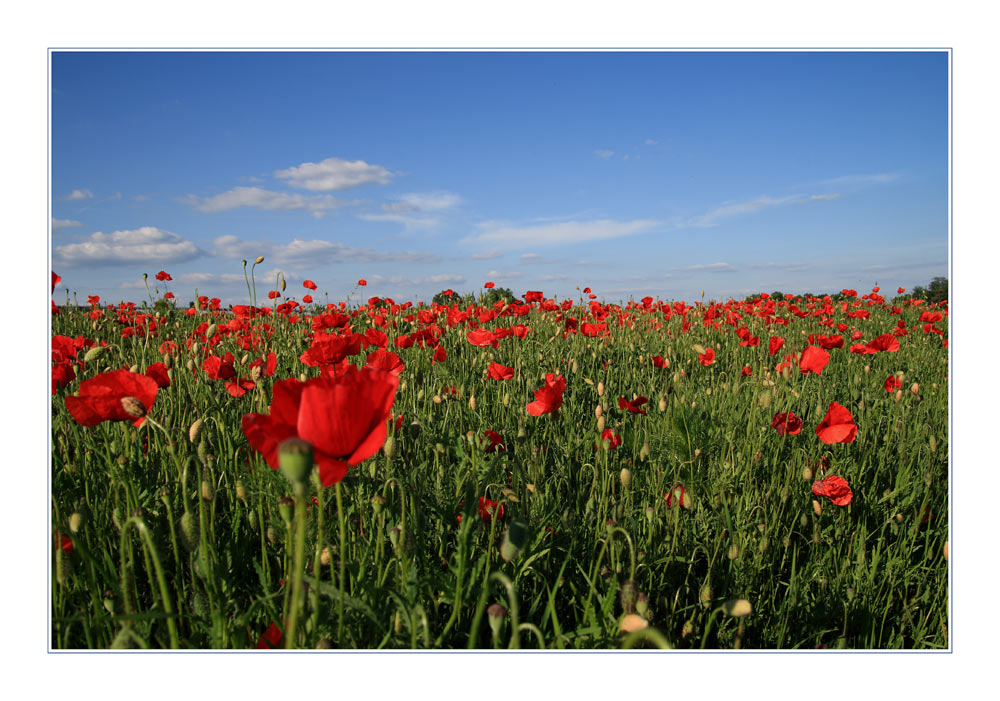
219 368
273 294
675 495
862 349
309 285
534 296
633 407
586 290
62 375
613 440
835 489
838 426
56 279
886 343
786 422
496 442
328 349
548 398
386 360
775 344
488 508
892 383
500 372
270 639
746 371
440 355
659 362
343 418
708 357
118 395
158 371
163 275
813 360
362 282
307 299
482 338
488 286
65 543
901 290
239 387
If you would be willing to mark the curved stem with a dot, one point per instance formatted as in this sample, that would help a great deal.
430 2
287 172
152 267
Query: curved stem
168 607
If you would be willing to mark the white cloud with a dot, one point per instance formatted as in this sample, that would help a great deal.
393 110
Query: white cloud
560 233
489 255
411 209
430 201
711 268
259 198
64 223
82 194
334 174
860 180
651 142
732 209
603 153
552 278
790 267
942 264
498 276
116 196
145 245
312 253
535 259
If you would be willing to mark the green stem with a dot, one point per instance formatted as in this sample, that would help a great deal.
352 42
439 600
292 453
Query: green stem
298 566
168 607
342 560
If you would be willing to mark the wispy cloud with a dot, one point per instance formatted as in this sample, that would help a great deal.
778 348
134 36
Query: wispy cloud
503 276
791 267
651 142
403 281
145 245
604 153
711 268
81 194
921 265
415 210
255 197
334 174
561 233
312 253
535 259
862 180
58 224
732 209
489 255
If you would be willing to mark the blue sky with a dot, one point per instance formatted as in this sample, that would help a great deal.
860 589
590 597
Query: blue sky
638 173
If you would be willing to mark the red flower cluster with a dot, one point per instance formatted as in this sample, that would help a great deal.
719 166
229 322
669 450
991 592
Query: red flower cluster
548 398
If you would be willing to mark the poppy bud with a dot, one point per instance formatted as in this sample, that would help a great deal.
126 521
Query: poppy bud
324 644
394 537
378 501
734 552
817 509
285 505
389 448
576 366
600 389
324 557
914 389
644 451
259 260
189 531
195 347
207 490
650 513
303 377
662 405
705 595
899 396
295 458
626 478
686 500
436 398
189 365
282 284
628 596
195 431
807 473
600 423
737 608
255 373
514 540
241 491
94 352
168 360
212 330
254 520
946 550
472 402
933 445
598 411
496 614
133 407
77 520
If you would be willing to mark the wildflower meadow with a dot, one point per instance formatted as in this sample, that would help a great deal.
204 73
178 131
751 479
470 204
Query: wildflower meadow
499 472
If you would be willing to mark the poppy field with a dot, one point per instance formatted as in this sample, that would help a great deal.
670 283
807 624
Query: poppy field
542 473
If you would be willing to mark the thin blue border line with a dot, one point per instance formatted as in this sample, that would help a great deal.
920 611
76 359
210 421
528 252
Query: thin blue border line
951 247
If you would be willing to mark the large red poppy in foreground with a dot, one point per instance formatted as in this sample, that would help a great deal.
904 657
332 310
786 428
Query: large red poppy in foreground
113 396
838 425
344 419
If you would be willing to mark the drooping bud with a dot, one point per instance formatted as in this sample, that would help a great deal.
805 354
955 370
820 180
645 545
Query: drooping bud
212 330
93 353
189 531
259 260
194 432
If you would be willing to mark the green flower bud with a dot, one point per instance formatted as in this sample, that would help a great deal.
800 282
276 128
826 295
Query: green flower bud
285 505
515 539
295 457
189 531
